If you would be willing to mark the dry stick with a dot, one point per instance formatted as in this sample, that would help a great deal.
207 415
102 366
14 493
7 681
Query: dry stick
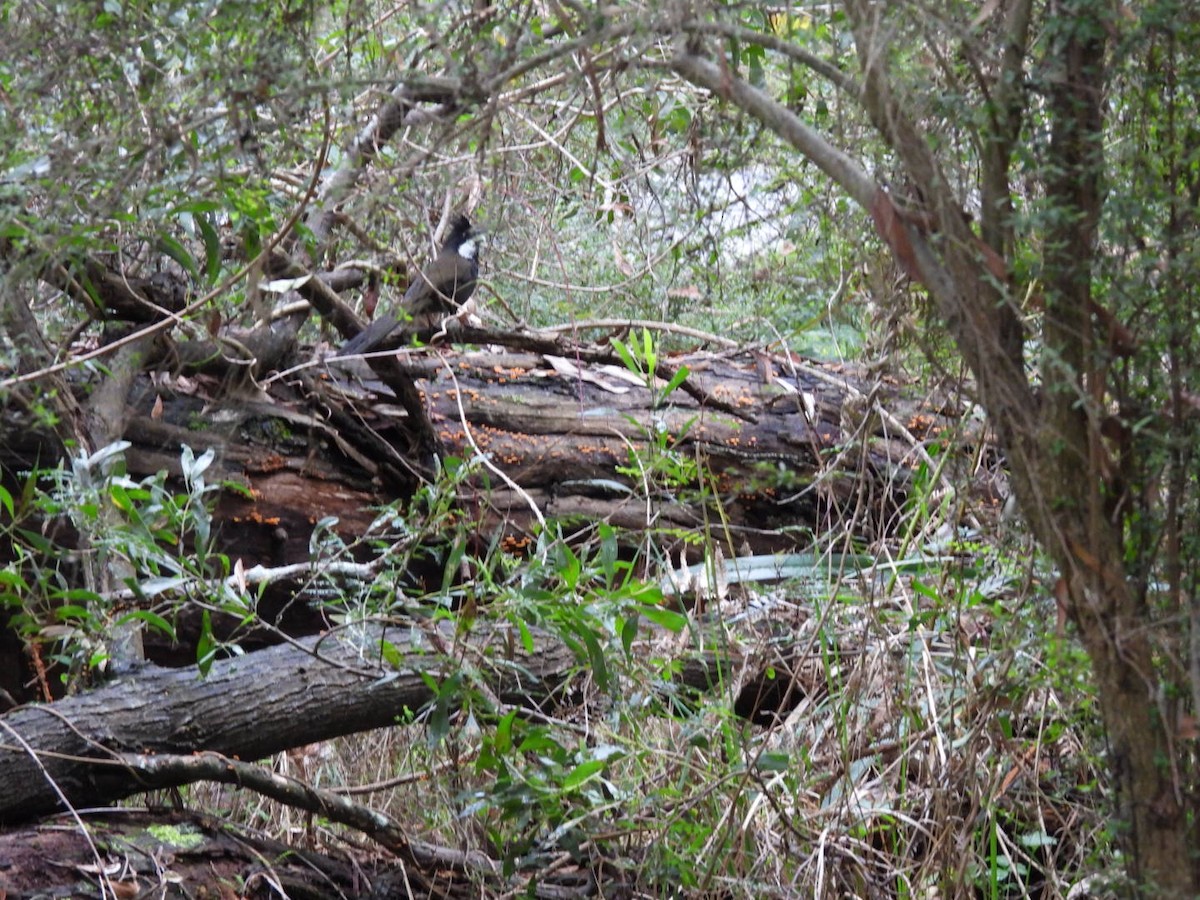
263 576
483 457
838 77
597 288
651 324
172 768
267 873
398 781
592 37
549 139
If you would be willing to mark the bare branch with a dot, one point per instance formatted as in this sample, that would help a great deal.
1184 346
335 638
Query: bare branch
840 79
830 160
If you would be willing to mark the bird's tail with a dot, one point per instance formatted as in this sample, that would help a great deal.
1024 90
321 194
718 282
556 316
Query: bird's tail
370 337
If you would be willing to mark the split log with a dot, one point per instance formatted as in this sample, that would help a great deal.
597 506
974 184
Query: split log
772 448
755 452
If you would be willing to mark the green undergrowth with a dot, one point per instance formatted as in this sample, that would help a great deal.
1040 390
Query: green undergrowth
901 720
932 730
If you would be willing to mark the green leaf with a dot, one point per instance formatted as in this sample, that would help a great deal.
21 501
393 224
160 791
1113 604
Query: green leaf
80 595
391 654
36 541
538 740
12 579
582 773
599 663
237 487
629 630
664 618
195 466
649 353
626 356
569 566
773 762
924 590
754 54
155 621
196 206
526 636
120 497
14 231
206 646
679 378
453 565
608 553
212 248
177 252
503 738
678 120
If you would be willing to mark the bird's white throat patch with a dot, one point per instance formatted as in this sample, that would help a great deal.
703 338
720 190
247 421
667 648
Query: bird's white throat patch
468 248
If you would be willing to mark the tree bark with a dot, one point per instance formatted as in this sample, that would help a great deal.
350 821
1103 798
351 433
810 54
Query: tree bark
253 706
793 446
1082 527
142 732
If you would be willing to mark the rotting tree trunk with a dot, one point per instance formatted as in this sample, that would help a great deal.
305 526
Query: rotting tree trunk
758 434
773 448
777 450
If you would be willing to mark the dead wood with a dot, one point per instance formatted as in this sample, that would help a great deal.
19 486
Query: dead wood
135 734
252 706
149 853
758 452
165 728
771 448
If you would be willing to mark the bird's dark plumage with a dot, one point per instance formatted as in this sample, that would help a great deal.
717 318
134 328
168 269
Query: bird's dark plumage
441 287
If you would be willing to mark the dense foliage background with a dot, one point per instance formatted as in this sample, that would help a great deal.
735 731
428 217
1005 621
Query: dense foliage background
997 201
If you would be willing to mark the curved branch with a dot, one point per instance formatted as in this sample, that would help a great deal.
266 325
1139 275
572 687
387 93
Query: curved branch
158 771
595 37
828 158
836 76
987 331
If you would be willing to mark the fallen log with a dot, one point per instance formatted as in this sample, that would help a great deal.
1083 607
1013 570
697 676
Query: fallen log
752 453
69 753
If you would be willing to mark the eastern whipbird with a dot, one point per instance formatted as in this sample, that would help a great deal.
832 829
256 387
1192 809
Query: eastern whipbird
440 288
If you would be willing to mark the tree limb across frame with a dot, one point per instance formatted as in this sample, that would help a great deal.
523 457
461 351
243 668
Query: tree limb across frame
253 706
